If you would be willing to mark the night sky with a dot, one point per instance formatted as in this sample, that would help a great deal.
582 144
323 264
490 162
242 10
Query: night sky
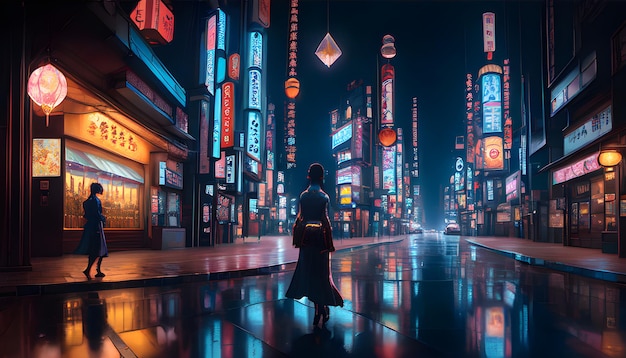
437 43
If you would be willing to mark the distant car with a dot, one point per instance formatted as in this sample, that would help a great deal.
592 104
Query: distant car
418 230
452 229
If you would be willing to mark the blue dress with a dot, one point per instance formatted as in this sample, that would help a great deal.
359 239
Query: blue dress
93 242
312 277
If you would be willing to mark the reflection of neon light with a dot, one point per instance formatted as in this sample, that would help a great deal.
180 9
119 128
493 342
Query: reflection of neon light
494 332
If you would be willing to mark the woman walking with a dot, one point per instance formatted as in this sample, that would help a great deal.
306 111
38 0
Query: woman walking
312 277
92 242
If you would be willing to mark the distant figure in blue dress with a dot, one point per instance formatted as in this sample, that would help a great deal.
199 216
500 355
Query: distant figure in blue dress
92 242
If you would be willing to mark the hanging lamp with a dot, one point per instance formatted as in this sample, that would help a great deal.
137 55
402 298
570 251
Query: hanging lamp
47 87
328 51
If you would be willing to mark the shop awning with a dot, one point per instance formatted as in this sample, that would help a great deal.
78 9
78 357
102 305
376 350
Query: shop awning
101 164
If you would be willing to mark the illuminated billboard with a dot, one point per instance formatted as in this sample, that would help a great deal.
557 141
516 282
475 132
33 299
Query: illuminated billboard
493 156
221 30
209 80
228 115
345 194
386 104
489 33
469 117
253 147
342 135
217 125
344 176
512 184
254 89
389 169
255 50
492 103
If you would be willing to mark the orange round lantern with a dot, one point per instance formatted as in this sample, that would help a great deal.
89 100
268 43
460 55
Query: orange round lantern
387 136
47 87
609 158
292 87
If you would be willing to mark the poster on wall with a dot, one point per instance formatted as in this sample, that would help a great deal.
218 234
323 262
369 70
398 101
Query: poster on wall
556 215
46 157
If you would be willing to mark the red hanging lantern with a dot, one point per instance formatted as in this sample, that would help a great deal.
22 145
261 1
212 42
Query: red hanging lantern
387 136
292 87
47 87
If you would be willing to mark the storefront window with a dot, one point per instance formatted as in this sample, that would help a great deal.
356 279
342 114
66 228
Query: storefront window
583 218
597 204
574 218
123 189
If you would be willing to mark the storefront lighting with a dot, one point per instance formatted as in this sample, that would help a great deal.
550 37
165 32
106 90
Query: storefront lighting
47 87
292 87
609 158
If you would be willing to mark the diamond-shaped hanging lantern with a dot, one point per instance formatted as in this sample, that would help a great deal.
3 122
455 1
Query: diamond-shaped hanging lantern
328 52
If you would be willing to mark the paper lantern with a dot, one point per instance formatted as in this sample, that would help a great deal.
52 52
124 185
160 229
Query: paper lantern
292 87
387 136
47 87
609 158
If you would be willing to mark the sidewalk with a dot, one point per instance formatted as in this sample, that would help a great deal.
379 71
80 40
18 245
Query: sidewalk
580 261
143 268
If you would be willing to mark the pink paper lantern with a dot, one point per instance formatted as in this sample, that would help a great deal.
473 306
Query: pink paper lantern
47 87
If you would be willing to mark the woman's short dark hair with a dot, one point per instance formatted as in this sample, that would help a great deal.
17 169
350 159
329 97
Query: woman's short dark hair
96 188
316 173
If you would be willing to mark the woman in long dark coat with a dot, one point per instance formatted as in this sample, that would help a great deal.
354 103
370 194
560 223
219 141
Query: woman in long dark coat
92 242
312 277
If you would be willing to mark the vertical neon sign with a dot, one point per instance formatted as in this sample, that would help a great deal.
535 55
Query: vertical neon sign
387 77
209 80
292 64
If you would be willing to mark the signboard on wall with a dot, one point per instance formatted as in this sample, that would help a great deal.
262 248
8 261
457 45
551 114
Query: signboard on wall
228 115
253 146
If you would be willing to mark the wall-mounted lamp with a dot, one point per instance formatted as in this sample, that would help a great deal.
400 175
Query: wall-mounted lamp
609 157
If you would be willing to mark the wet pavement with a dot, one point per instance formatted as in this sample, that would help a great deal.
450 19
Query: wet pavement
424 295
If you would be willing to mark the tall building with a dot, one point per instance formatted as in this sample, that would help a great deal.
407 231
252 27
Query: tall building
585 74
175 140
351 126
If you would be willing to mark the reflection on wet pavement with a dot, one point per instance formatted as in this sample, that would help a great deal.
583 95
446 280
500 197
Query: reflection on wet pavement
427 296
